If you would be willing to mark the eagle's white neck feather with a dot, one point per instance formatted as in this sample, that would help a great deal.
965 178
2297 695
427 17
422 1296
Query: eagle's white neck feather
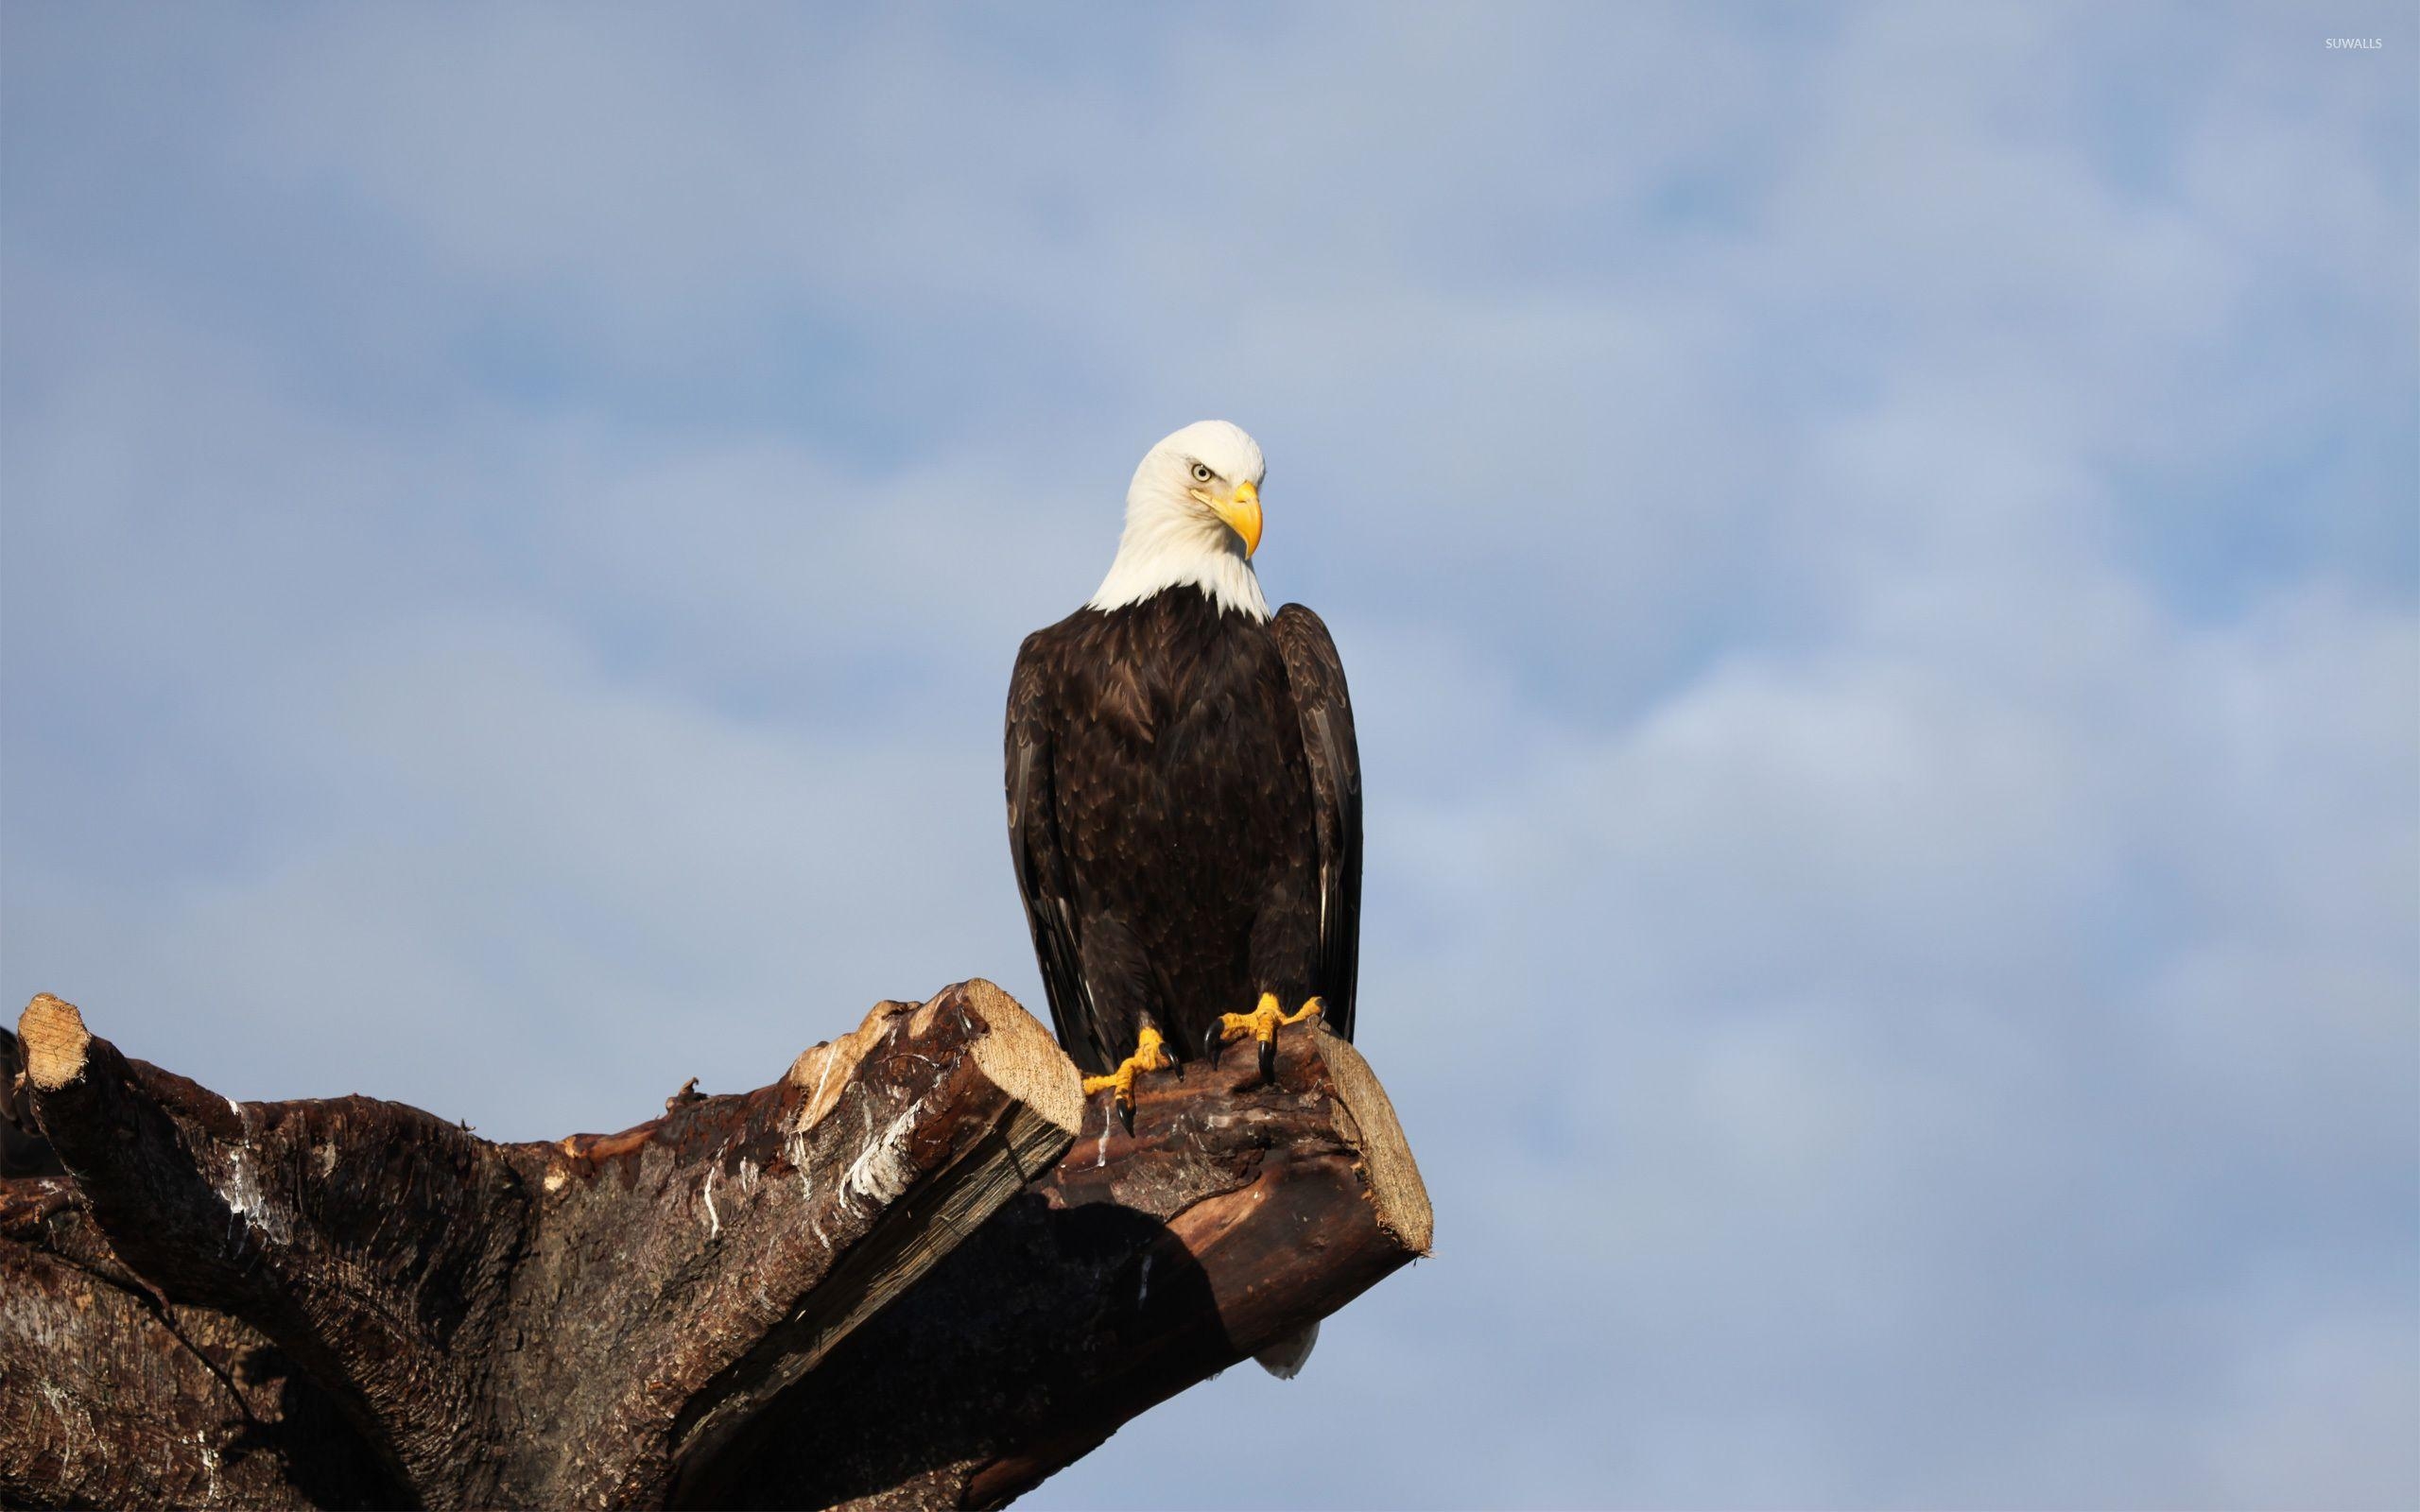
1164 548
1171 540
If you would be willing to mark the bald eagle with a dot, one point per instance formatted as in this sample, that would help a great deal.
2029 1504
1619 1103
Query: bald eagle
1184 794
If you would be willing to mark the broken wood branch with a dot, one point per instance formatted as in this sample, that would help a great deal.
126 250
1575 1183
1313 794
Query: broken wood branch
561 1324
886 1278
1235 1217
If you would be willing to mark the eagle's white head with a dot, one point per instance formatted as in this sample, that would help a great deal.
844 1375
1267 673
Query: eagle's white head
1192 516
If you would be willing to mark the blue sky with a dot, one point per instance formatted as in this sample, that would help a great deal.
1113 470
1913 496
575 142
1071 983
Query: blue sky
1878 551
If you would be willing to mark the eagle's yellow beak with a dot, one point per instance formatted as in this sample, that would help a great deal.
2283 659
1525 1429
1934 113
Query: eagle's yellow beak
1242 514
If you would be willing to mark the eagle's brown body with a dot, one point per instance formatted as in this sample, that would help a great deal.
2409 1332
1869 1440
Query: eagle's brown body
1185 810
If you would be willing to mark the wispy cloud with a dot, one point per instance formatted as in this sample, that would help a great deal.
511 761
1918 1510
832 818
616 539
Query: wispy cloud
1876 549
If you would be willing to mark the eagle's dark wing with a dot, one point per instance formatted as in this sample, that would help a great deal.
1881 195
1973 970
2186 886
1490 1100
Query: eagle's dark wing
1041 865
1327 710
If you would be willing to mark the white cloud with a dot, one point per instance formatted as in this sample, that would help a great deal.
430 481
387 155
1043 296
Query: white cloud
1895 907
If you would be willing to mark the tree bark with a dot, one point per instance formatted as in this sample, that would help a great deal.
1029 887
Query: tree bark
110 1397
806 1294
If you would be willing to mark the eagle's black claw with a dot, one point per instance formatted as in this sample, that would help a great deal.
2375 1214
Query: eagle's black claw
1213 1045
1126 1116
1268 1062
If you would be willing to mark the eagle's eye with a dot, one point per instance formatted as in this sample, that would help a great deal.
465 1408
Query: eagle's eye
1200 473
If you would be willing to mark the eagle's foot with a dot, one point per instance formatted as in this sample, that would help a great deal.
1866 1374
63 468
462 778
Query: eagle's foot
1150 1053
1262 1023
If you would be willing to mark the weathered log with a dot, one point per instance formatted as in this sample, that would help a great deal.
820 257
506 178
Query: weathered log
885 1280
562 1324
1234 1216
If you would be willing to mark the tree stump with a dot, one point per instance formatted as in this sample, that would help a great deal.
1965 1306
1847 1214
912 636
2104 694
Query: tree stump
916 1270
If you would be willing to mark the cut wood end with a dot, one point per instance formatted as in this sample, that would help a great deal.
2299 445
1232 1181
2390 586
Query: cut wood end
55 1041
1022 1057
1016 1050
1395 1188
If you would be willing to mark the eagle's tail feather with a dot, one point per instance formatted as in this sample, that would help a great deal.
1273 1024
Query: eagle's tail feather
1284 1358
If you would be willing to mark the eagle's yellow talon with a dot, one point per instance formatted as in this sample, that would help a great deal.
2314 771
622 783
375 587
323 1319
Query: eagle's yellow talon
1150 1053
1262 1023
